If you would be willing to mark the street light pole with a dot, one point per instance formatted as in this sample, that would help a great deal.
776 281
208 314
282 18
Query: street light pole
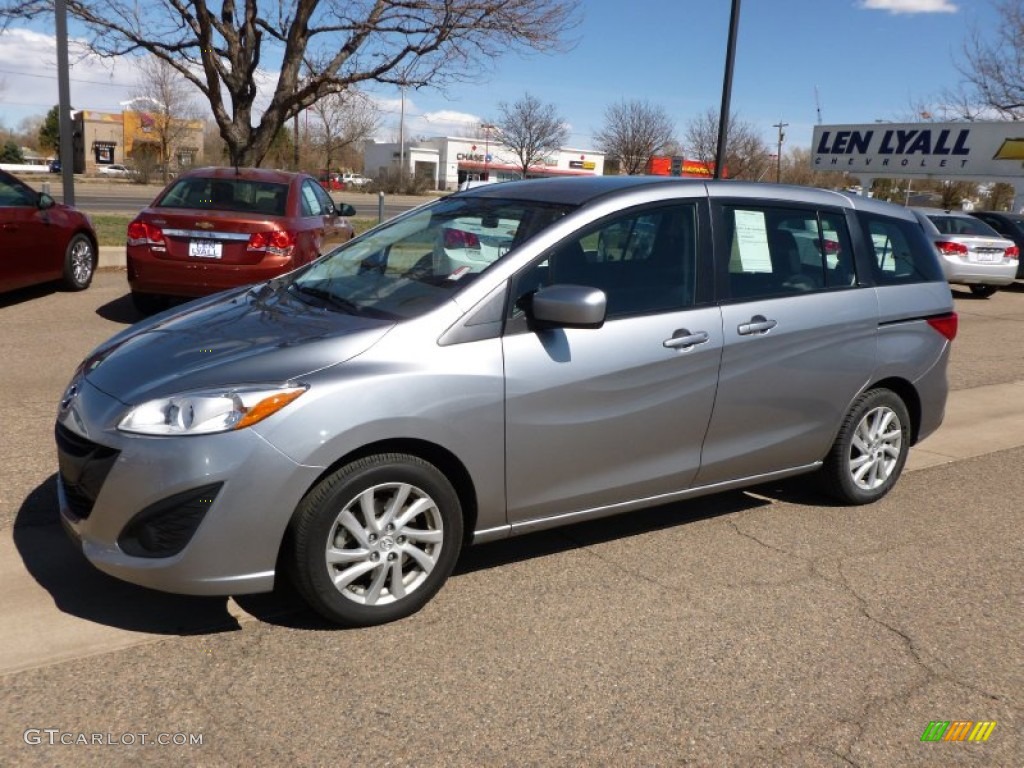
65 150
487 127
401 142
723 115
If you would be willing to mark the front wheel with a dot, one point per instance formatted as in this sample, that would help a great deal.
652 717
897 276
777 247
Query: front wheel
983 291
79 263
375 540
870 449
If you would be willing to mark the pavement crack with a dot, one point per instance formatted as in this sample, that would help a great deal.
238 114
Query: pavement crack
588 549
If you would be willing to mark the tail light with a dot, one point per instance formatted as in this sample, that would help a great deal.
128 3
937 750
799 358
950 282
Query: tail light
1013 252
947 325
279 242
947 248
459 238
141 233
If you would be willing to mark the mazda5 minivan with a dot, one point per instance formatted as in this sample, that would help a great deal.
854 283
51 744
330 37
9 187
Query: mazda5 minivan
616 343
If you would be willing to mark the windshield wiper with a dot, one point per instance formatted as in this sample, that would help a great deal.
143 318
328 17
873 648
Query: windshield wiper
328 298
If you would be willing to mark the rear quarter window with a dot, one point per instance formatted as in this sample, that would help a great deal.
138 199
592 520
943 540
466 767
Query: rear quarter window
899 251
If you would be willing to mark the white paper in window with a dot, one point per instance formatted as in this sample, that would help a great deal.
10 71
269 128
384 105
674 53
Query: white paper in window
752 241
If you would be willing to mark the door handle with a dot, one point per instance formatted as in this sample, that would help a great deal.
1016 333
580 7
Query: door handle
683 339
758 324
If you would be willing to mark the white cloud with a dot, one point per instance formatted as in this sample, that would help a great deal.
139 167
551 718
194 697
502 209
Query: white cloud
28 65
28 70
910 6
440 122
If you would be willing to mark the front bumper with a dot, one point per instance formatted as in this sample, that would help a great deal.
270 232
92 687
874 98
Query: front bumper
232 545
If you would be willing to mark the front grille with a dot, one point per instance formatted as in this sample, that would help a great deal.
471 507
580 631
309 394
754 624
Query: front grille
164 528
84 466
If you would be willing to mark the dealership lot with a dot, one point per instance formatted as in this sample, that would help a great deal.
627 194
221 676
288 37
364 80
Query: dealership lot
756 628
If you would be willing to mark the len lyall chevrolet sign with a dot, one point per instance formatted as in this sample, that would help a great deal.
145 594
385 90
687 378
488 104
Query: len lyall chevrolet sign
921 149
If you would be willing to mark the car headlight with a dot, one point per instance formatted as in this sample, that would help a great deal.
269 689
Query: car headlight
208 411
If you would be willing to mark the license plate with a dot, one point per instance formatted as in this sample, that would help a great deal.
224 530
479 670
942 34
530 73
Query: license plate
204 249
988 257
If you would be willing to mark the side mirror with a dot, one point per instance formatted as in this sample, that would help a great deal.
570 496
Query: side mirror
567 306
45 201
344 209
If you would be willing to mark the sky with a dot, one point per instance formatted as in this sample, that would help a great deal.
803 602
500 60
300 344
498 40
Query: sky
855 61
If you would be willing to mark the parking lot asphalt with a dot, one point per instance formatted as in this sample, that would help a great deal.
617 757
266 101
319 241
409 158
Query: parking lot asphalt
763 627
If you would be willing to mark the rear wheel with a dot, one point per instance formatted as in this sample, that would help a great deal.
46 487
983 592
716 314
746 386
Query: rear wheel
983 291
79 263
375 540
870 449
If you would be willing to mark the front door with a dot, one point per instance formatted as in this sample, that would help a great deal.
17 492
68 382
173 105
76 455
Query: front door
602 417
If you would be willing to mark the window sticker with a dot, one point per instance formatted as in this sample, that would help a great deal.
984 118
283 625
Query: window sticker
750 245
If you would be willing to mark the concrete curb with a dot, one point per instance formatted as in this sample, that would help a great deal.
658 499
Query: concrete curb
112 256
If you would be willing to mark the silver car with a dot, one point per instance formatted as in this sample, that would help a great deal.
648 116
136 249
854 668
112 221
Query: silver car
640 340
971 252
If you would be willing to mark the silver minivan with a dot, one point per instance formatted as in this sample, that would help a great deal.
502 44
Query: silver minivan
511 358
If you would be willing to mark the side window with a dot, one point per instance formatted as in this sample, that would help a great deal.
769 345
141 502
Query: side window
786 251
645 261
901 251
326 203
310 202
12 195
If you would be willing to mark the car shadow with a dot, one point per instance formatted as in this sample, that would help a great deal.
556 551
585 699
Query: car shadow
79 589
31 293
120 310
571 537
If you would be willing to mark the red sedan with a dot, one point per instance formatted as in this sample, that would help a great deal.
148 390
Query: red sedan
42 240
216 228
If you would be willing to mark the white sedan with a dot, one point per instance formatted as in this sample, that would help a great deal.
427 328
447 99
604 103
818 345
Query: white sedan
119 171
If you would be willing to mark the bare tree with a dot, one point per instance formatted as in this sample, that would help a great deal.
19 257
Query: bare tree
531 129
998 197
797 168
220 49
633 131
994 68
343 119
164 98
747 155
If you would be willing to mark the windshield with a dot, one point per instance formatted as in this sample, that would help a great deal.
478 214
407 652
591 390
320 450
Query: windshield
417 261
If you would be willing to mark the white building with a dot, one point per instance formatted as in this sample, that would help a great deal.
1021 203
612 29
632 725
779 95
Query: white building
447 161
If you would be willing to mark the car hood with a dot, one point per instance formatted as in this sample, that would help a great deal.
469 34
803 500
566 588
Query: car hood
259 335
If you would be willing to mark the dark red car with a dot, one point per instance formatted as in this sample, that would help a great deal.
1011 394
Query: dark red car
42 240
216 228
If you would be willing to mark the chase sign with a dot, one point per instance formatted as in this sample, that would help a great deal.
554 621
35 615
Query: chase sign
977 150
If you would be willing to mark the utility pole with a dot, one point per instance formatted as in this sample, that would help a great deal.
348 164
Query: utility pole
778 158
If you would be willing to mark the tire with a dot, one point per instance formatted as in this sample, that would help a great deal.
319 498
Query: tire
870 450
79 263
347 564
148 303
983 291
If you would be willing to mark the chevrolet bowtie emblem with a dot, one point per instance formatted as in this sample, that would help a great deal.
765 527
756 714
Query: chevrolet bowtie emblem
204 225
